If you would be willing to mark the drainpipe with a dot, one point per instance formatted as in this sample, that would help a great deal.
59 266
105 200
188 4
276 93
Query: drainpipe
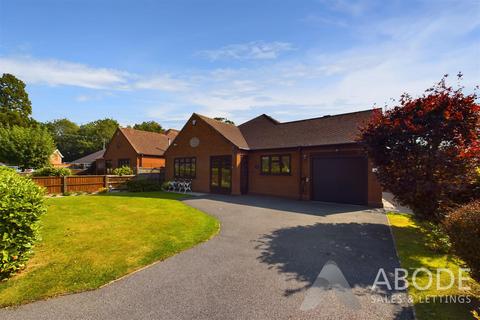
300 173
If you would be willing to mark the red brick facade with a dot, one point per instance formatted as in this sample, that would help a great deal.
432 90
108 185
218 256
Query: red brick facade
120 151
297 184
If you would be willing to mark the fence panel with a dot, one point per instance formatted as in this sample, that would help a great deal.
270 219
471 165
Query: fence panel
118 182
84 183
52 184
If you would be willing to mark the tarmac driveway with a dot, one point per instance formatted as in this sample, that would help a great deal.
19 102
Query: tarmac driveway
268 254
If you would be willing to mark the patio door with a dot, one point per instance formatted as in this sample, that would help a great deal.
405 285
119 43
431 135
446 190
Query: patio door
221 174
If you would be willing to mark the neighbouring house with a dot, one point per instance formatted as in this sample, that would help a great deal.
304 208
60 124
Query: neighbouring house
87 162
56 159
312 159
136 149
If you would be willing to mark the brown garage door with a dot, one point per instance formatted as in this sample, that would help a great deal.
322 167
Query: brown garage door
340 179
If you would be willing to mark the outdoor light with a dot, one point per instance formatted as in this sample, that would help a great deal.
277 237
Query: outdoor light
194 122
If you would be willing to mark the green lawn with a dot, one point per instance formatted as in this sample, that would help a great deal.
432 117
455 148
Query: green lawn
88 241
411 243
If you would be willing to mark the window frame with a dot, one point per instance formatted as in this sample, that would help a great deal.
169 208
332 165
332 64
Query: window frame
123 162
280 163
180 168
108 166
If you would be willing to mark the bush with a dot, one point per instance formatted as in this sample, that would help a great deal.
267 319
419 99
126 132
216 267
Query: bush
123 171
165 185
21 205
143 185
52 172
463 228
426 149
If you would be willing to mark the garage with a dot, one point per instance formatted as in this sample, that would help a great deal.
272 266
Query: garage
340 179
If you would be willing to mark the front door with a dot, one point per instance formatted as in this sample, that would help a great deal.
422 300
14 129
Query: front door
221 174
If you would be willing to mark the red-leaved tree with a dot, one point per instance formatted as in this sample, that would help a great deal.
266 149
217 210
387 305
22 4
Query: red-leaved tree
427 149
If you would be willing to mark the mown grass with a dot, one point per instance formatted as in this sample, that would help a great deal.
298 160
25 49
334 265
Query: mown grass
415 251
88 241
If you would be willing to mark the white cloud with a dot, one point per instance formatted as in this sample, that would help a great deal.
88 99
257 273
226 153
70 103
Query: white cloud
63 73
168 113
162 83
56 72
255 50
408 53
408 60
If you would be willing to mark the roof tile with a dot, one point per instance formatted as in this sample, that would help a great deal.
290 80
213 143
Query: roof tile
148 143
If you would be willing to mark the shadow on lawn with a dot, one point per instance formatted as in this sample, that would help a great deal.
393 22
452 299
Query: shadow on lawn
358 249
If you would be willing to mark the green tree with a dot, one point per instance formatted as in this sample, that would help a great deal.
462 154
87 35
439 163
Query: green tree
26 147
224 120
66 135
94 134
15 106
151 126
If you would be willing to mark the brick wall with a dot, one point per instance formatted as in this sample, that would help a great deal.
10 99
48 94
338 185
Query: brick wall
211 144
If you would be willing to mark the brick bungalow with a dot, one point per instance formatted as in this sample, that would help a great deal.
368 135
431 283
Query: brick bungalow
312 159
56 159
136 149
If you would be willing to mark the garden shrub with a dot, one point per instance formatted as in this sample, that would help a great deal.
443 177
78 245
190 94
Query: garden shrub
426 149
463 228
21 205
165 185
143 185
123 171
52 172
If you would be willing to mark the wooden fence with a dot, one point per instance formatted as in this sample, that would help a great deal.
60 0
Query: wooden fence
81 183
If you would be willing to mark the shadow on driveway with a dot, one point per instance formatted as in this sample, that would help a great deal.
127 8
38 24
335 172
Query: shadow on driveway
358 249
266 202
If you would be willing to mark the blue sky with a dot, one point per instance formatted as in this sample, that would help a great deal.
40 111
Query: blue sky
162 60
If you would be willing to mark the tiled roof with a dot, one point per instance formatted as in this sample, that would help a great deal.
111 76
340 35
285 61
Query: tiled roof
148 143
231 132
265 132
171 133
90 157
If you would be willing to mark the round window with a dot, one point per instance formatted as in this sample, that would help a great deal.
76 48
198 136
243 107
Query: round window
194 142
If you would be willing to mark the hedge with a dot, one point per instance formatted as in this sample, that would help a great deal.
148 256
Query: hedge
463 228
123 171
21 205
52 172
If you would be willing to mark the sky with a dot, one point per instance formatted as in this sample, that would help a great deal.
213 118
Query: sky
158 60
